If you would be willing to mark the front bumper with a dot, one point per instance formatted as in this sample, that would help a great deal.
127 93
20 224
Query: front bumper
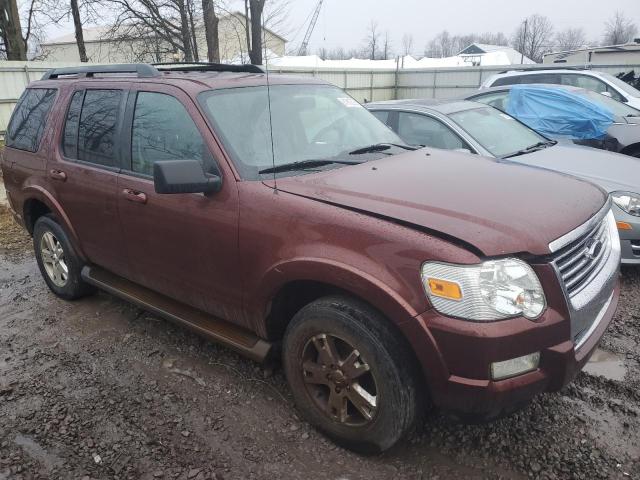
484 399
629 239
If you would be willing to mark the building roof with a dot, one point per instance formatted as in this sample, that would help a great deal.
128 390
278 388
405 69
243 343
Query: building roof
483 49
100 33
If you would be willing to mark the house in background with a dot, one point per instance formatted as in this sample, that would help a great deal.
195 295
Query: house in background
478 54
104 46
626 54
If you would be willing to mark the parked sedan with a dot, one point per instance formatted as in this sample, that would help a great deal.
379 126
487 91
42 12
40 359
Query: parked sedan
479 129
622 134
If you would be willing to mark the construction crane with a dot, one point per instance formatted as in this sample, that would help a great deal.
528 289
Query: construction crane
312 25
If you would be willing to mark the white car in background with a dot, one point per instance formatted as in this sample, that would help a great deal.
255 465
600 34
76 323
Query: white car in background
599 82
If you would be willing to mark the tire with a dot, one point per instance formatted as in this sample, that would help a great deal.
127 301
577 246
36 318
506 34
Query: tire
341 325
54 255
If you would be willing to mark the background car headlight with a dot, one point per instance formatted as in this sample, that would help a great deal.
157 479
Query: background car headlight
492 290
629 202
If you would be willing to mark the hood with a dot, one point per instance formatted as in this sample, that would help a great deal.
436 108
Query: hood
611 171
498 208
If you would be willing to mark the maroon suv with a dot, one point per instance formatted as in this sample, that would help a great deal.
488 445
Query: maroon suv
283 218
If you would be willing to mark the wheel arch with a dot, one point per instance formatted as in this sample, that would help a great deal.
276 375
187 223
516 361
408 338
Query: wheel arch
38 201
290 285
633 149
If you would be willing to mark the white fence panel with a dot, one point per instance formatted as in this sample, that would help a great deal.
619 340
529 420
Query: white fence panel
362 84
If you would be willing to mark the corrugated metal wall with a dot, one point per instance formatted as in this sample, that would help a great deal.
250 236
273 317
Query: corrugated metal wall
361 84
424 83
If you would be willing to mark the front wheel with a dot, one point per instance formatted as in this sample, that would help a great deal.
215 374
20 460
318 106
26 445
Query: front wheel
58 262
351 374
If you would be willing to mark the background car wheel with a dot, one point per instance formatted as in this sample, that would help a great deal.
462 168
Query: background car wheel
59 264
351 374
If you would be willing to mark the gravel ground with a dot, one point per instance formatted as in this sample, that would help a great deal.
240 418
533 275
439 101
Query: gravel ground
100 389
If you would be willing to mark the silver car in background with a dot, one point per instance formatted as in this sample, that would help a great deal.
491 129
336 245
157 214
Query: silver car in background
484 130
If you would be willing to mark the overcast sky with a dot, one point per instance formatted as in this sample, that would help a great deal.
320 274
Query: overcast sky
344 22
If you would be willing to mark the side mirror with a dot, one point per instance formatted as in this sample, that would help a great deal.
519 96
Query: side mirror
183 176
606 94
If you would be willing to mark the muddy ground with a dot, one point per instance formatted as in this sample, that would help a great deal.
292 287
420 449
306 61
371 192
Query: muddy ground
100 389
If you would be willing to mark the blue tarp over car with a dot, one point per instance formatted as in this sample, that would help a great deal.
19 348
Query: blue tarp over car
557 113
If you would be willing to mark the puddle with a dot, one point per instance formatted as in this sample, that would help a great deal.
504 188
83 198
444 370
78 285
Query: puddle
607 365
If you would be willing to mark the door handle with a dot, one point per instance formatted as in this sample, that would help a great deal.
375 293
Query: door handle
134 196
58 175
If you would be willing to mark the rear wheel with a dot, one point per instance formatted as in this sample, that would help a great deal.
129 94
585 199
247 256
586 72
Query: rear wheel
58 262
351 374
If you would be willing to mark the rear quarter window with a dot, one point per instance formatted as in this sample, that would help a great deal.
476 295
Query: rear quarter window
30 118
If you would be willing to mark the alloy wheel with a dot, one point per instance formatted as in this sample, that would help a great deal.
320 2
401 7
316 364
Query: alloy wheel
339 380
53 259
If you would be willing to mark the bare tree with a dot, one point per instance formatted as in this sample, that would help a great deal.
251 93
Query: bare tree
211 23
156 26
533 37
619 29
386 47
446 45
570 39
372 40
407 44
14 43
256 8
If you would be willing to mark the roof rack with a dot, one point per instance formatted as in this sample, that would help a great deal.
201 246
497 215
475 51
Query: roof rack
142 70
550 67
206 67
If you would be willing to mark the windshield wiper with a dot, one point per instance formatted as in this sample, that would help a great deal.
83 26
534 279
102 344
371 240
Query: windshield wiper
531 148
303 165
380 147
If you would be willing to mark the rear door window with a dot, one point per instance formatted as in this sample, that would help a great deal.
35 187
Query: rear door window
498 100
29 119
510 80
164 130
97 128
417 129
382 115
589 83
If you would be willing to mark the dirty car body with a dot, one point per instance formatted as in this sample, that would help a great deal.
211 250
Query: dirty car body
366 267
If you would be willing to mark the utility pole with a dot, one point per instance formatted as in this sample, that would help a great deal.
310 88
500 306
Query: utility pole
524 41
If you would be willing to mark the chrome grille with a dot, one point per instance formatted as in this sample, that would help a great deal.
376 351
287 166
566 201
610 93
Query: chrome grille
579 261
635 247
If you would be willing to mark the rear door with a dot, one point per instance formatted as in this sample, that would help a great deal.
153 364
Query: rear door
184 245
84 168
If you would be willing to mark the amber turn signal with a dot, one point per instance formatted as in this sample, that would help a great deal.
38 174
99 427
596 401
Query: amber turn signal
445 289
624 226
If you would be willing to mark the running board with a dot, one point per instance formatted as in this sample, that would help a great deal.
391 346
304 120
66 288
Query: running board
219 331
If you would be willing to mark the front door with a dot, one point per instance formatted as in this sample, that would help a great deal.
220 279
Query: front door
183 245
84 168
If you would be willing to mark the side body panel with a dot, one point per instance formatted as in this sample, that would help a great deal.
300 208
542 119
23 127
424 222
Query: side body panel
184 245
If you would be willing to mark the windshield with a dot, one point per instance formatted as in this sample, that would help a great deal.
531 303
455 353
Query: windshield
617 108
497 132
310 122
624 86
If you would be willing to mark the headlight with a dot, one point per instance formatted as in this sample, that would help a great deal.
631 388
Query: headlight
629 202
492 290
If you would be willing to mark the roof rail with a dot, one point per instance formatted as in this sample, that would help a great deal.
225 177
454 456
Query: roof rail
206 67
142 70
550 67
